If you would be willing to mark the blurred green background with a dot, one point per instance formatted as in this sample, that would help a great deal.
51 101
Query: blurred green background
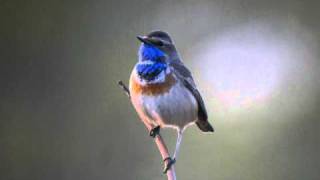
62 115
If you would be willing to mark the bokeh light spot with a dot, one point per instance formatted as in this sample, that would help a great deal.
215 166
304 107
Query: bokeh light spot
242 67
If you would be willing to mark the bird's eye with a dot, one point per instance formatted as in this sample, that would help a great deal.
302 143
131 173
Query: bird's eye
159 43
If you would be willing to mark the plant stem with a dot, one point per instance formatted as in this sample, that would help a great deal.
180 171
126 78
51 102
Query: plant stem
171 175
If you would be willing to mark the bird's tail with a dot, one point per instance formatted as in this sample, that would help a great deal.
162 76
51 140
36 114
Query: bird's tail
204 126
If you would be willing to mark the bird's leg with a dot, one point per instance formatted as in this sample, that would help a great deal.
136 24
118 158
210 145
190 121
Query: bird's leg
179 139
168 165
170 160
154 131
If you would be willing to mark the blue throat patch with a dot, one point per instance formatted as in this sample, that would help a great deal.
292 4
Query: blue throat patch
148 52
150 71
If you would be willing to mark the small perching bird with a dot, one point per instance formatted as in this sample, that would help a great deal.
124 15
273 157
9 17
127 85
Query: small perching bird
163 91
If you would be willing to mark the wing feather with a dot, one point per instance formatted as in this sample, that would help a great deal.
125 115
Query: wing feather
185 76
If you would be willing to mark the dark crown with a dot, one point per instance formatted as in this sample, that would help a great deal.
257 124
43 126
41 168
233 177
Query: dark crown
161 35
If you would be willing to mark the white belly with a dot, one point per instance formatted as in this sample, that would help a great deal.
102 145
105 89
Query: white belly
177 108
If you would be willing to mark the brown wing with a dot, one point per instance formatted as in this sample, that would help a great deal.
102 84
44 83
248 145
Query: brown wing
186 77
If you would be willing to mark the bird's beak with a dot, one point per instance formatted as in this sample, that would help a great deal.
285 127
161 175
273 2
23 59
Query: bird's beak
144 39
148 40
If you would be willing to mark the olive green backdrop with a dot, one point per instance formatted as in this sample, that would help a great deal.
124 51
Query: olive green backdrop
62 115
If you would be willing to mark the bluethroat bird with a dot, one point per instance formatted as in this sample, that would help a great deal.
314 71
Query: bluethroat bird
163 91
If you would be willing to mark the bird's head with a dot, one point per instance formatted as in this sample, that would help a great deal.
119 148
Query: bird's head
156 46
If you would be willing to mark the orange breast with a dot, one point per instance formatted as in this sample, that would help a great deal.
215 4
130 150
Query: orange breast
151 89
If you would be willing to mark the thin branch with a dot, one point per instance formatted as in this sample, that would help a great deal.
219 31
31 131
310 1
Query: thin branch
171 175
124 88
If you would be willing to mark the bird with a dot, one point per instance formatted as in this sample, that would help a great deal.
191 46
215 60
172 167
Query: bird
163 91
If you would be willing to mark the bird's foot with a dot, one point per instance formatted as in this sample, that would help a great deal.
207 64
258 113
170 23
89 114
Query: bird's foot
154 131
168 165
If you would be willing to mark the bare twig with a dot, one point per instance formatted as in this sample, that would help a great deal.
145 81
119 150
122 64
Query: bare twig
124 88
171 175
